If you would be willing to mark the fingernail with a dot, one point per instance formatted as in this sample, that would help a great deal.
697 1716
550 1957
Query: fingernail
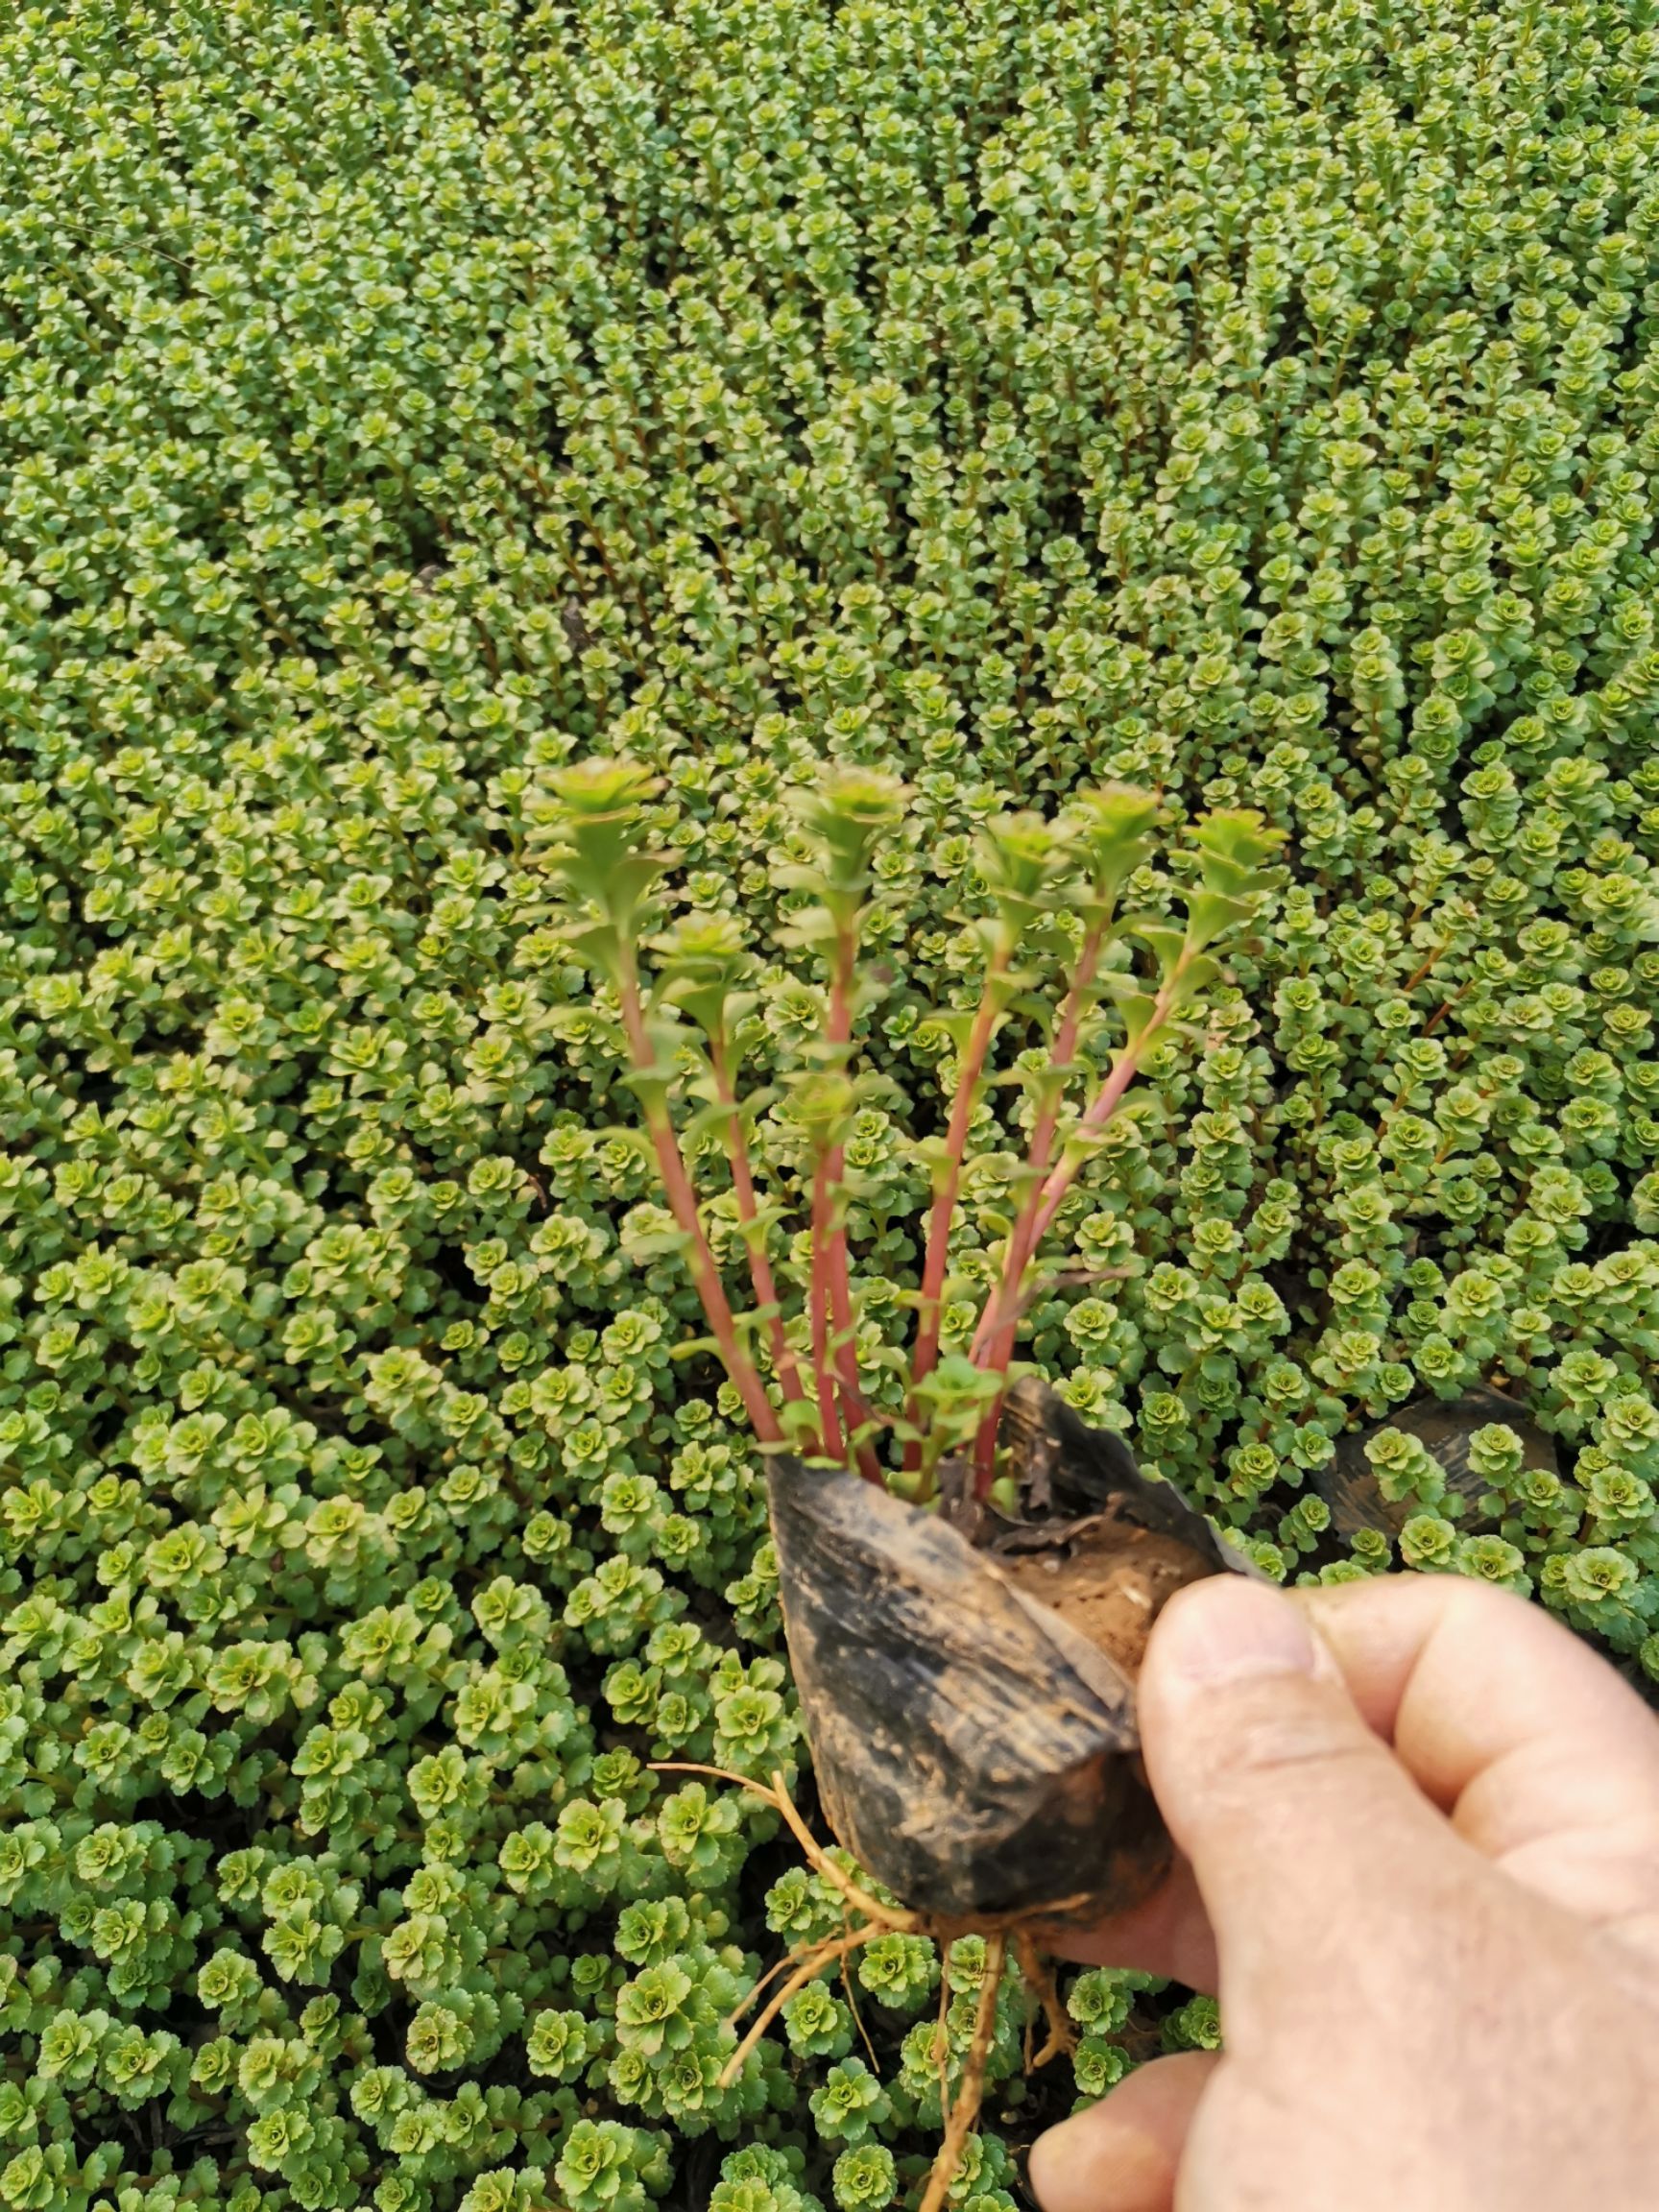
1227 1629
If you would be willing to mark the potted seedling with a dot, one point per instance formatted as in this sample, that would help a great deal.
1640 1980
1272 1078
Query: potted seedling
968 1571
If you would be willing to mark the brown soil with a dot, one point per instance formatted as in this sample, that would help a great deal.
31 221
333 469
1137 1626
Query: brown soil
1109 1583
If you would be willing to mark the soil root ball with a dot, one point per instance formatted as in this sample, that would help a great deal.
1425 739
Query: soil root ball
975 1749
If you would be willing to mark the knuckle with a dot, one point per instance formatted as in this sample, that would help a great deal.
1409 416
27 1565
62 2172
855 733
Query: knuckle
1284 1753
1268 1741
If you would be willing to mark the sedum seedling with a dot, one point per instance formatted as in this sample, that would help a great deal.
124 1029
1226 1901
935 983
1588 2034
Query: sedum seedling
1092 989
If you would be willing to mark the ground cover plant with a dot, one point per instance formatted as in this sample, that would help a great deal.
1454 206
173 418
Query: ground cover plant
1255 405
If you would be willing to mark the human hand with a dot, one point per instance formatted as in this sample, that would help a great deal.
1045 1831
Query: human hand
1419 1828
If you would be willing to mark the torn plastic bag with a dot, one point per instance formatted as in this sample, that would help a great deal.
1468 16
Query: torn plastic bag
1444 1427
974 1751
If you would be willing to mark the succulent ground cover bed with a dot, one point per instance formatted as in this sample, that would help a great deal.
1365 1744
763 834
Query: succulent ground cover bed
1258 405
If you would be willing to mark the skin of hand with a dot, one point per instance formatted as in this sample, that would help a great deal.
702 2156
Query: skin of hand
1418 1833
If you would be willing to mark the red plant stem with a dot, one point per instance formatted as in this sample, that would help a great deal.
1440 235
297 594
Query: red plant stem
1434 1021
823 1261
1107 1102
994 1321
832 1286
1023 1242
748 1212
949 1185
993 1341
1413 980
682 1205
853 1407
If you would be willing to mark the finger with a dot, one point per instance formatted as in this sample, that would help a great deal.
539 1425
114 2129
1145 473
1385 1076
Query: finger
1547 1762
1168 1935
1459 1676
1125 2151
1307 1836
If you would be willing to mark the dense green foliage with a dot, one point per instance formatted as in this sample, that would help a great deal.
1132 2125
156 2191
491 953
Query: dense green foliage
1258 403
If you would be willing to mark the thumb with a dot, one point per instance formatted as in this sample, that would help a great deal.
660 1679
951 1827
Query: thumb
1303 1830
1125 2152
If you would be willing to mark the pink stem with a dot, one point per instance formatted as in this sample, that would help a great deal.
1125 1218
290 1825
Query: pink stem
682 1205
993 1339
1106 1103
748 1210
852 1406
1024 1239
944 1207
832 1299
823 1262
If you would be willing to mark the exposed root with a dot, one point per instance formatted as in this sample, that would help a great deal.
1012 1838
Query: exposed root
812 1962
941 2044
808 1960
1039 1974
857 2016
790 1959
803 1962
887 1917
971 2095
